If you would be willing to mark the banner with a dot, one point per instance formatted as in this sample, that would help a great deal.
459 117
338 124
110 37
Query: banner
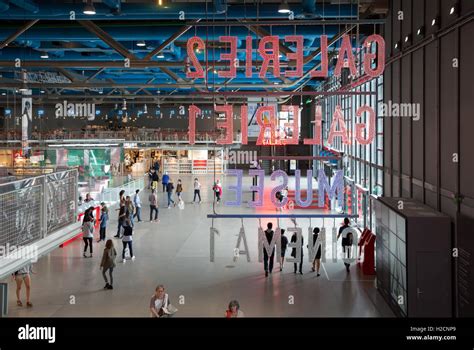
26 120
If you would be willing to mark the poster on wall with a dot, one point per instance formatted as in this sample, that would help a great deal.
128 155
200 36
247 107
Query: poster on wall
253 104
26 120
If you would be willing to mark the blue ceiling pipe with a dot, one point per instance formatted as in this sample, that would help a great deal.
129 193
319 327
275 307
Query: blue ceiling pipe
156 33
27 5
4 6
54 11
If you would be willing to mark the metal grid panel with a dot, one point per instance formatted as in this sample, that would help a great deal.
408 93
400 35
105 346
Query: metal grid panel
20 216
60 205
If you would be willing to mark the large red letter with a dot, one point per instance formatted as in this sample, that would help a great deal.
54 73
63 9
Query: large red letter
244 124
297 56
323 73
199 73
248 57
193 112
345 49
294 126
270 123
369 56
370 134
232 72
318 127
337 119
227 125
273 55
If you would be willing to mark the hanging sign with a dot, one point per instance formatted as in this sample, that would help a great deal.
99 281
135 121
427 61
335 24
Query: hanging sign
269 51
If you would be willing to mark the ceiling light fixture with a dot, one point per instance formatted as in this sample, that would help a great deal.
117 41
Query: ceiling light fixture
89 8
420 31
453 9
141 43
407 38
284 8
44 55
160 55
434 21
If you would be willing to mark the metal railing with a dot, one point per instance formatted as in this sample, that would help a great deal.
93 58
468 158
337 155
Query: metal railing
110 195
33 208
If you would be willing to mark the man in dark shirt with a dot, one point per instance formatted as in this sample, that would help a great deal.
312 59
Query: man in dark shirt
346 241
284 244
268 236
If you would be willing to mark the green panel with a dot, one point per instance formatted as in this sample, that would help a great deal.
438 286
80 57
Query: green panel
99 163
75 157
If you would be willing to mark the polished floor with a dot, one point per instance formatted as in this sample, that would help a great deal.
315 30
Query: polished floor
176 252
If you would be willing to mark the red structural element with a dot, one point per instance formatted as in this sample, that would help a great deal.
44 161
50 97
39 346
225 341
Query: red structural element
79 218
314 203
349 199
367 246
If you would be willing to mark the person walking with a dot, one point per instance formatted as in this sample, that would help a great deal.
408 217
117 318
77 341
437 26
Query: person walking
179 189
154 180
317 258
346 240
108 263
217 188
197 190
284 245
268 260
104 218
165 180
169 190
150 177
294 239
87 235
127 240
122 213
138 206
129 209
153 199
20 276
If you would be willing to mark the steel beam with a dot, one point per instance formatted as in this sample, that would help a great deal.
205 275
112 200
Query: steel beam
102 35
171 39
19 32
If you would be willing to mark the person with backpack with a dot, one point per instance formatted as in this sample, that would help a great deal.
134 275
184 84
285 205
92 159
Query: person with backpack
138 206
108 263
165 180
127 240
169 190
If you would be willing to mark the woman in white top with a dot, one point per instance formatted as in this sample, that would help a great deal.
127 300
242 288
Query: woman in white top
87 235
234 310
159 303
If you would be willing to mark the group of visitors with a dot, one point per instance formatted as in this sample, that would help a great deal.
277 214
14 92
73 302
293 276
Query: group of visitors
298 268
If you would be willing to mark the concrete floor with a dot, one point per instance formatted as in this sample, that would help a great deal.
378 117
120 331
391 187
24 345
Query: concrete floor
175 252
